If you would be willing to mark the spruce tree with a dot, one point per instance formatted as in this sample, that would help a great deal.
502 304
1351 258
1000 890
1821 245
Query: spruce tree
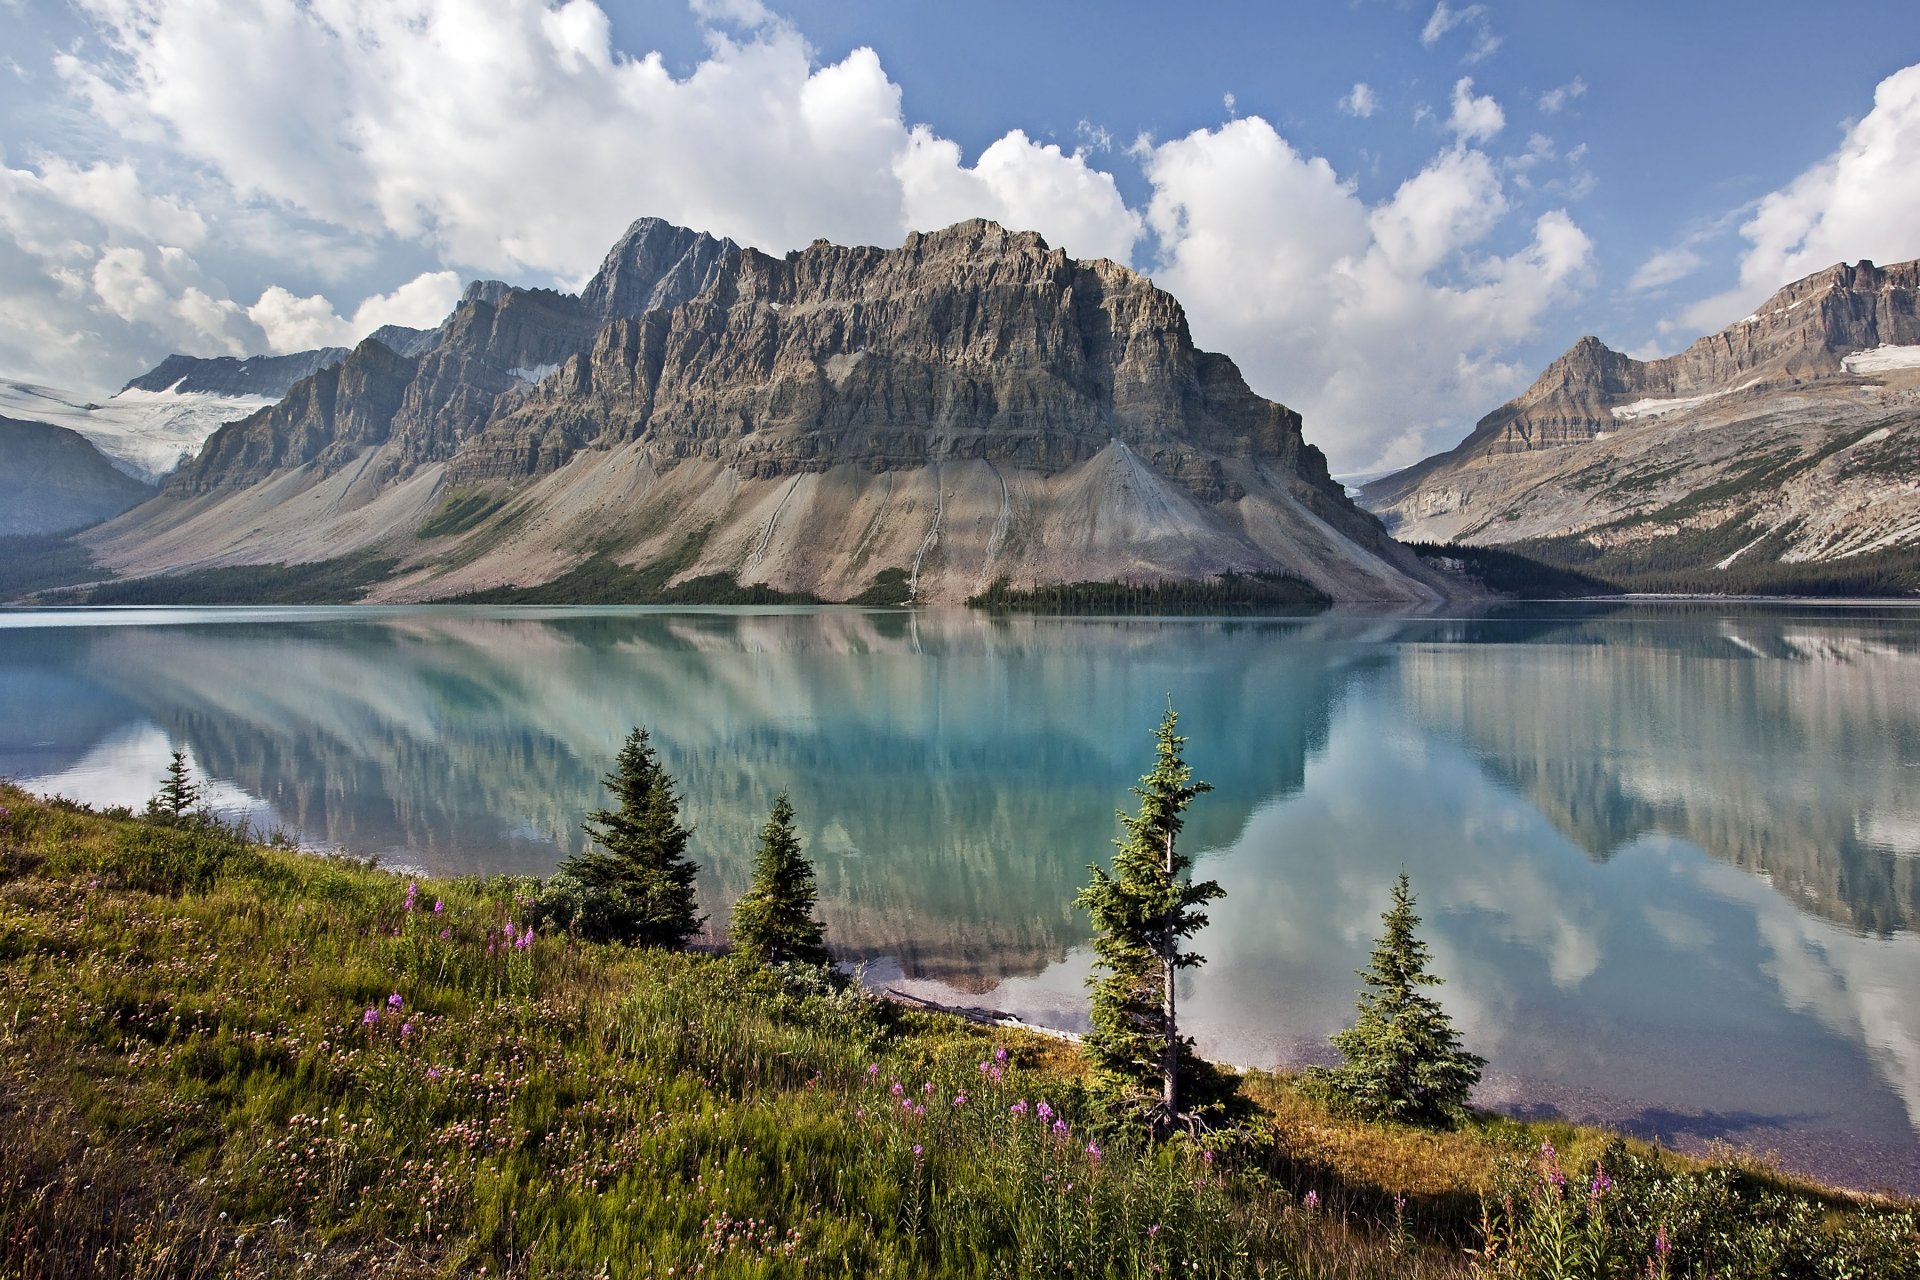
1142 913
773 923
179 793
637 887
1403 1059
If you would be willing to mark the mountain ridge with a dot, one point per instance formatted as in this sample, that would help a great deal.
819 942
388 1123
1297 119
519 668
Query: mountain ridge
1791 437
971 404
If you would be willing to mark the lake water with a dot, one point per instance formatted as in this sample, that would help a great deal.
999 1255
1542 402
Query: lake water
1668 856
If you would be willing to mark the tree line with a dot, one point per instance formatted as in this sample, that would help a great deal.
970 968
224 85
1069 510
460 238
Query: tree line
634 884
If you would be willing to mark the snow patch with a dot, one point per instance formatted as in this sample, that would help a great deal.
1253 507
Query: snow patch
535 373
1661 408
144 433
1881 359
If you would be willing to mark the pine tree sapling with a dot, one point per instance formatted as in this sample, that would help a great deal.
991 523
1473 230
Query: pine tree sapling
1142 913
773 922
179 793
1403 1059
637 886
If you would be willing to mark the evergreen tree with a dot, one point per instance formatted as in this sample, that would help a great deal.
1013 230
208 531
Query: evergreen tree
1403 1058
637 886
1142 912
773 923
179 793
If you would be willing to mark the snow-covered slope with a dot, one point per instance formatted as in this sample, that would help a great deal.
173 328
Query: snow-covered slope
144 433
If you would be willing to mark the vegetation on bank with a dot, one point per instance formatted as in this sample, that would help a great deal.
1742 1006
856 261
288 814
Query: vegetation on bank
601 579
339 581
40 562
224 1057
1677 563
1223 593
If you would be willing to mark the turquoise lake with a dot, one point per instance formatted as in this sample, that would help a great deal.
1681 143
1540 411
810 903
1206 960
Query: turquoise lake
1668 855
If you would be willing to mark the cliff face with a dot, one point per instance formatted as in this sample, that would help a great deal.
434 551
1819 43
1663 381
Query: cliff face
969 404
970 344
1627 448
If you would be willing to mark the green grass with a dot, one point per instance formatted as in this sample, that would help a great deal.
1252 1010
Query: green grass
191 1085
463 510
1224 593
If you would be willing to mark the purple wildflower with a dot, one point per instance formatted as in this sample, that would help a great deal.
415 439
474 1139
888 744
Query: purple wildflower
394 1001
896 1090
526 939
1600 1185
1000 1055
916 1151
445 934
1662 1245
1153 1231
927 1087
1044 1111
1093 1151
1311 1202
406 1028
873 1069
1018 1109
433 1073
438 906
413 892
960 1099
371 1016
1060 1128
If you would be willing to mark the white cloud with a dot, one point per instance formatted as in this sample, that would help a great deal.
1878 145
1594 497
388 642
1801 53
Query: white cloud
1553 101
1385 326
1362 101
514 138
511 138
1863 201
1473 17
1664 268
1019 183
293 323
1474 119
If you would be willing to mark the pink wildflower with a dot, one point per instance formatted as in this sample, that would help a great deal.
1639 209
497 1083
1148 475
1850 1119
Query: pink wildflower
1019 1108
371 1016
1311 1201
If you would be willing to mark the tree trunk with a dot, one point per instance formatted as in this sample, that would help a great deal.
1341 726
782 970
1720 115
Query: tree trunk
1170 1050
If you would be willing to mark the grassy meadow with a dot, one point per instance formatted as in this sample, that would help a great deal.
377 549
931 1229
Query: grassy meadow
220 1057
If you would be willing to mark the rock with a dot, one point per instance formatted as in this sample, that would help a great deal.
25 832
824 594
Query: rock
973 402
1762 427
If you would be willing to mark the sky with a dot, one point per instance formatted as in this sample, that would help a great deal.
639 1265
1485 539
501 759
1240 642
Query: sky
1392 214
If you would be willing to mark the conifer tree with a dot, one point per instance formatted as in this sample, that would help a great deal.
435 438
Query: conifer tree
773 923
179 793
1403 1059
1142 913
638 885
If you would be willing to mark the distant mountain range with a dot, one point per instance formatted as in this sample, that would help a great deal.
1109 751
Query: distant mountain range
971 406
1780 452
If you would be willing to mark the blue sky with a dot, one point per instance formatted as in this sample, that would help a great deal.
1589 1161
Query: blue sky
1392 215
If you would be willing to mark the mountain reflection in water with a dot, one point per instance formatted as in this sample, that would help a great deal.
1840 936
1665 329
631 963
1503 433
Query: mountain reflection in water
1667 854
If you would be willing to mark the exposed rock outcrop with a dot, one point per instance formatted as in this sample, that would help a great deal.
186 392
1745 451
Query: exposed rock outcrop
1801 420
971 404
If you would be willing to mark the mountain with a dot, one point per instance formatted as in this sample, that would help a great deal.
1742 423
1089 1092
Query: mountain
143 433
53 479
230 376
969 406
1790 438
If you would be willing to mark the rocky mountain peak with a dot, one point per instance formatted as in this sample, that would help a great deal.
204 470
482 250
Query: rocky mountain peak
654 265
